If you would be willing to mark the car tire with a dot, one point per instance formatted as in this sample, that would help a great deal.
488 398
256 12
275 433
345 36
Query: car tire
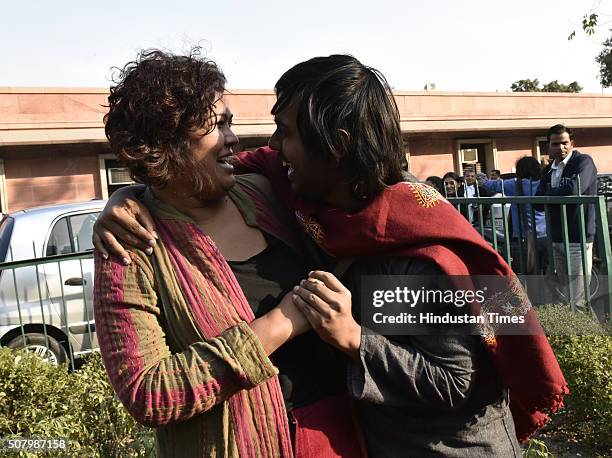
36 343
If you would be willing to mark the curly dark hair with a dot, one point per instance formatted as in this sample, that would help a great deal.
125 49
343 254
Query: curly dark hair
157 101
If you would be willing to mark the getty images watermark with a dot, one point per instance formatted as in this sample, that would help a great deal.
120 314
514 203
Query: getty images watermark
415 299
436 304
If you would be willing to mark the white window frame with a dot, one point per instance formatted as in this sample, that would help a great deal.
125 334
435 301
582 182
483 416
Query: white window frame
479 141
3 194
102 167
104 172
406 144
536 146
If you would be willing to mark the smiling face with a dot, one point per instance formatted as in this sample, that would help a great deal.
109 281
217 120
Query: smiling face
451 186
310 176
212 147
470 177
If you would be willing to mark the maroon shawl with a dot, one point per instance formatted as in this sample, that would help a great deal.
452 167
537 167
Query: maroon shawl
414 220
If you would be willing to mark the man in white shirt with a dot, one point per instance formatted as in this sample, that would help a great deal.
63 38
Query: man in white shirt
570 173
470 190
473 189
562 154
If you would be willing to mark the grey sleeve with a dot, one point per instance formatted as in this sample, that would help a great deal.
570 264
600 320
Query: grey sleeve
417 371
426 371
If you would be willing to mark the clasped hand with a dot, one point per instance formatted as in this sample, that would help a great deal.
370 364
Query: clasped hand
326 303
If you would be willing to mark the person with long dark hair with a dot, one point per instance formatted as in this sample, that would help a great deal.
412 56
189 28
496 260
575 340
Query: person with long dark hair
452 184
335 161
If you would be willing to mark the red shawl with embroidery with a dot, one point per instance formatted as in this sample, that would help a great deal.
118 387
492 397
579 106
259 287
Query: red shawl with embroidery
413 220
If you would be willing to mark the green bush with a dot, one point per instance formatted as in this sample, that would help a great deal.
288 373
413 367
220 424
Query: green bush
560 320
584 351
38 400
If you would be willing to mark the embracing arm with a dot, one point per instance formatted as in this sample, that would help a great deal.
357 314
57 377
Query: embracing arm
493 186
262 160
541 191
483 191
155 385
266 162
125 218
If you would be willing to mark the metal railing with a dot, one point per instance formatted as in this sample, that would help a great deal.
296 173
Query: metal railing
500 234
17 305
18 314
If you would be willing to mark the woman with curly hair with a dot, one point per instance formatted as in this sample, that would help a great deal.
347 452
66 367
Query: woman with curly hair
187 351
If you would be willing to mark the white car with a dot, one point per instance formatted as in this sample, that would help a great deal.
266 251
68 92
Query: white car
56 296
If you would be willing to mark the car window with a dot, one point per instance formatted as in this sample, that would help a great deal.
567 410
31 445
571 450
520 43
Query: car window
59 240
604 185
82 231
72 234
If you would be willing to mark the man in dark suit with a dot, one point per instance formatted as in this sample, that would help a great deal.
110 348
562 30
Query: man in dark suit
471 188
570 174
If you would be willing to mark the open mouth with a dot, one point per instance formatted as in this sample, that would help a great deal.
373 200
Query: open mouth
226 159
225 162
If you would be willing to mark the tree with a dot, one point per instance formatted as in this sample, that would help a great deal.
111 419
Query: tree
533 85
526 86
604 59
556 86
590 24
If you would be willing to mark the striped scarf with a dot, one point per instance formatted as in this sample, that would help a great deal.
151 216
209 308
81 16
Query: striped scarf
205 284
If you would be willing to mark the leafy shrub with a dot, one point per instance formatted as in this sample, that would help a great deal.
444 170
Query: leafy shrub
536 449
38 400
560 320
584 351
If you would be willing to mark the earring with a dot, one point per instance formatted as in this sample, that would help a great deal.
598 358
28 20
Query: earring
357 192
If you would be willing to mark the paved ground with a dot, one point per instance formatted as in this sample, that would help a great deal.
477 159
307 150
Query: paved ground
562 448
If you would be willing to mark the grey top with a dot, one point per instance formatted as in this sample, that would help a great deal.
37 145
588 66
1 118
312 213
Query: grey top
426 395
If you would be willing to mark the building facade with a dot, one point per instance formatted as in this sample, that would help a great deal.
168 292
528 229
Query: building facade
53 148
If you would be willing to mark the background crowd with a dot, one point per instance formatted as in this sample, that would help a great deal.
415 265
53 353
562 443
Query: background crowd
569 173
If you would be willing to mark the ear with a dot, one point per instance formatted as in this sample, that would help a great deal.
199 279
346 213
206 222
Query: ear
346 137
